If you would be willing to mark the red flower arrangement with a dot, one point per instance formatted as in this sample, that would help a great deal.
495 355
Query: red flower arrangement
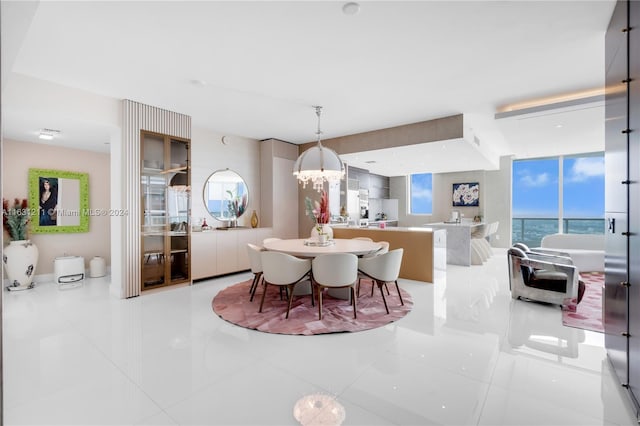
318 210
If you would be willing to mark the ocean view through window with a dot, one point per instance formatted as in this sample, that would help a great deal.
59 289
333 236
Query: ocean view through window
560 194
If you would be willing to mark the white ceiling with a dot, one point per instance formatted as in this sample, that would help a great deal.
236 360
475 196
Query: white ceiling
410 159
255 69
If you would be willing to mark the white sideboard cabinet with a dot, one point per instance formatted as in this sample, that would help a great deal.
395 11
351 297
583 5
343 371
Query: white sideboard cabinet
220 252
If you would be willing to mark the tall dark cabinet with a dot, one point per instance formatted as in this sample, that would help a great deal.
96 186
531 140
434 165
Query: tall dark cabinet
621 303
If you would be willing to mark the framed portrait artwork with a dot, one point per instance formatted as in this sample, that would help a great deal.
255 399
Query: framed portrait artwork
59 201
466 194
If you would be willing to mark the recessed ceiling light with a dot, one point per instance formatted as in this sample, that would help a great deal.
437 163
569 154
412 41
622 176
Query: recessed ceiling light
583 95
558 126
351 8
198 83
48 134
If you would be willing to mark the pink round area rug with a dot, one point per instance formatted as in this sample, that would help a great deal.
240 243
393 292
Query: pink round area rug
232 304
588 313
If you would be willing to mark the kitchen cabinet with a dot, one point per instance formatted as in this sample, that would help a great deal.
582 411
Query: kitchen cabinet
361 175
335 202
378 186
166 209
366 194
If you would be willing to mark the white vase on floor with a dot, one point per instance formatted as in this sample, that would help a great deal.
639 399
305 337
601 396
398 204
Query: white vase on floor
20 260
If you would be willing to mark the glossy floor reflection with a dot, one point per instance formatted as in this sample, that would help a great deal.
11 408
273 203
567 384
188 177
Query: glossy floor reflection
466 355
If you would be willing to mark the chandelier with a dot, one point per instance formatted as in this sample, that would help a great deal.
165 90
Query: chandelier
318 164
319 409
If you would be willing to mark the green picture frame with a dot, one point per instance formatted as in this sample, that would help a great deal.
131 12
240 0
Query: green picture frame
58 201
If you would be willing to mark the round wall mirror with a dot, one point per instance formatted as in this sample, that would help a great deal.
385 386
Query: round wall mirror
226 195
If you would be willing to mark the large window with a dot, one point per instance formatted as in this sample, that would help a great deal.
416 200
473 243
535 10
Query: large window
560 194
421 198
583 195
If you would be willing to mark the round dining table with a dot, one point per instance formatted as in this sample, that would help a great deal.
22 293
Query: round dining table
304 247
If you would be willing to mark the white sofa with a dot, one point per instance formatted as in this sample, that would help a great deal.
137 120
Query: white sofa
586 250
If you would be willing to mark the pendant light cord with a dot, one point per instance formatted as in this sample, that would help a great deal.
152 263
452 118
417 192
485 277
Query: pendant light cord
318 113
318 133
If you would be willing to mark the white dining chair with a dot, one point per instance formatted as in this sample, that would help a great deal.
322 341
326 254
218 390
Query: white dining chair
336 270
255 262
384 248
383 269
266 240
286 271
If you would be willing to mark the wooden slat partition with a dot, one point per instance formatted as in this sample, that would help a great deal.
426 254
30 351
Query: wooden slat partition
137 117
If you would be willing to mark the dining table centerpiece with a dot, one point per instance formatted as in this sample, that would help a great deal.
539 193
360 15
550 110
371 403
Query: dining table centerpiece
20 257
318 211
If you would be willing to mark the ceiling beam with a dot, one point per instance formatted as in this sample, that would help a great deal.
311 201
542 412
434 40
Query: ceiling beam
439 129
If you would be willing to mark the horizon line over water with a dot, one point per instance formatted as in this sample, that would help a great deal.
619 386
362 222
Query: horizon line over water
530 230
554 215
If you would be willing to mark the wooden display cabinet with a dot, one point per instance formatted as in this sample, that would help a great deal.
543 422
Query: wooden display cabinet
166 210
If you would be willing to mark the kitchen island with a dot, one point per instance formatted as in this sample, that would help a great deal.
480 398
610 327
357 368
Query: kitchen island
458 240
424 248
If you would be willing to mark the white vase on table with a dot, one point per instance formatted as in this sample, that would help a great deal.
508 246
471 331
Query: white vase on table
326 230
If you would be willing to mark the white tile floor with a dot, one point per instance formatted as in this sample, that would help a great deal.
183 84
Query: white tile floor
466 354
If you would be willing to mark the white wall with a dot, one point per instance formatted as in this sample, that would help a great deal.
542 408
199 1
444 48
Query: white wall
19 157
442 197
495 199
443 194
498 201
279 188
15 18
208 154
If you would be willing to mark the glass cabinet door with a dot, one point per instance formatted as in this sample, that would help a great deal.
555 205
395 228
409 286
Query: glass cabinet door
154 203
153 260
180 261
166 211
